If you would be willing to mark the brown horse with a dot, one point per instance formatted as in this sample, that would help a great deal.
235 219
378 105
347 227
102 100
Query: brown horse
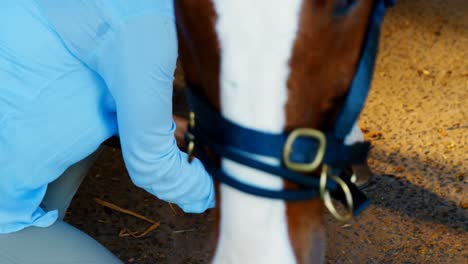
272 66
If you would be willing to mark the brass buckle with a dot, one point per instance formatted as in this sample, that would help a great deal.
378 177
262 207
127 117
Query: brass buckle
288 148
327 200
191 139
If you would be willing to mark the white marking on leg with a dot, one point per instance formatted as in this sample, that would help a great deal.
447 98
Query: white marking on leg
256 41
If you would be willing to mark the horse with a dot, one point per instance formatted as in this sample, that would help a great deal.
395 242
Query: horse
276 87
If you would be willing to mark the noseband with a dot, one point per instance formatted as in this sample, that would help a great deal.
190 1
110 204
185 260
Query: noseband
301 151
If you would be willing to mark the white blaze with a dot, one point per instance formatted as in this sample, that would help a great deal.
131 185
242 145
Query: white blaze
256 40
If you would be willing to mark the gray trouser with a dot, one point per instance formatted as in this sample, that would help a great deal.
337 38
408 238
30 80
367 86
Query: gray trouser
60 243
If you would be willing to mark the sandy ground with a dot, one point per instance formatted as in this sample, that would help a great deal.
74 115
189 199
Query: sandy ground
417 120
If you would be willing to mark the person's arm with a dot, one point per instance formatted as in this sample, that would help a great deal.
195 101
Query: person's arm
138 64
133 47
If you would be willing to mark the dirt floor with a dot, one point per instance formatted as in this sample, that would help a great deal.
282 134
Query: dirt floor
417 120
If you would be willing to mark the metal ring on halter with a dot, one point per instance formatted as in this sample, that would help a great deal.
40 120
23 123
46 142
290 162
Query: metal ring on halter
191 138
191 151
326 197
192 120
353 178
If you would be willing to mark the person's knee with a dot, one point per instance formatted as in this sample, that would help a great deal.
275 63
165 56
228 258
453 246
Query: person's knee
65 244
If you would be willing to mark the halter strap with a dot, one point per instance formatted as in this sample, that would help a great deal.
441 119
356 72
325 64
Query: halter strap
222 137
223 132
360 85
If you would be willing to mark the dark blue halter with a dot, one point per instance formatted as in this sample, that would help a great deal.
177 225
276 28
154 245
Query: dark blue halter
226 139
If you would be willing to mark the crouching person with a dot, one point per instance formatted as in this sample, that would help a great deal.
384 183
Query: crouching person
72 74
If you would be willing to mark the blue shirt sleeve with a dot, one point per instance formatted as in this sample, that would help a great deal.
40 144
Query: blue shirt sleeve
138 66
135 54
